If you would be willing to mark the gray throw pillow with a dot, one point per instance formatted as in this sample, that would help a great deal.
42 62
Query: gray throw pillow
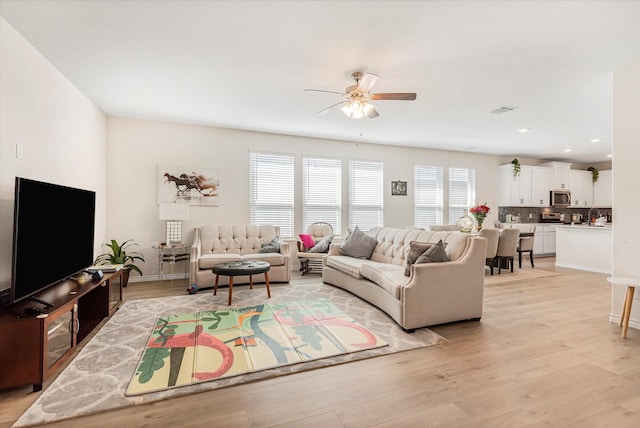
322 246
272 246
358 245
435 254
415 250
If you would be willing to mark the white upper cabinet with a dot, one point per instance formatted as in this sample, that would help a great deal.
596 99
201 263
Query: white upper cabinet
581 188
603 190
540 186
515 191
560 174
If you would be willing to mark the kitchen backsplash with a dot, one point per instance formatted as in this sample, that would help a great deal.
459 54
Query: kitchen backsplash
534 214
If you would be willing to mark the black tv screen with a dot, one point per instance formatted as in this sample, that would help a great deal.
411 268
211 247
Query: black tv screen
53 232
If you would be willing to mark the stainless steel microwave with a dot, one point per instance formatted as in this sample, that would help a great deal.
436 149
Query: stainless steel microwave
560 198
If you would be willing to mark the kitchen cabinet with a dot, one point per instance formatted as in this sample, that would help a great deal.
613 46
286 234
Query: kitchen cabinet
581 187
544 241
603 190
514 191
560 174
540 186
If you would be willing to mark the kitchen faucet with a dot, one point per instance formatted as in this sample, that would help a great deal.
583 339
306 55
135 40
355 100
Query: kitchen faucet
590 223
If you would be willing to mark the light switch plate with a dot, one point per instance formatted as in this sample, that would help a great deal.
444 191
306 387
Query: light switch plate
19 151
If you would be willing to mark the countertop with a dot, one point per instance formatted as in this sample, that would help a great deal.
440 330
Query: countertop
607 227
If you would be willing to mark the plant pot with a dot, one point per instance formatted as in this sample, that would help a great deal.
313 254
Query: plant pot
125 276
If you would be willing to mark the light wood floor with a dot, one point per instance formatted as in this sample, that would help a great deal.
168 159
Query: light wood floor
544 354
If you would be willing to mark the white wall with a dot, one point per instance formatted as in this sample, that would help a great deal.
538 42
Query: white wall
136 147
63 135
626 198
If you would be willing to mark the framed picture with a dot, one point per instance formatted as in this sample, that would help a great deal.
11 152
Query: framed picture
399 188
188 185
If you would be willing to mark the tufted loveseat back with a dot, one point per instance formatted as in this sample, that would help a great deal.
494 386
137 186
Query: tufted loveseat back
393 243
241 239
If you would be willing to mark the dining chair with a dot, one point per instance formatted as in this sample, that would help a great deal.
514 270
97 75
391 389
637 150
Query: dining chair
525 245
507 247
492 236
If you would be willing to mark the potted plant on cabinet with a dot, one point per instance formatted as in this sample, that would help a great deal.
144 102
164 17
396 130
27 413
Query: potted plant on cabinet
119 256
594 174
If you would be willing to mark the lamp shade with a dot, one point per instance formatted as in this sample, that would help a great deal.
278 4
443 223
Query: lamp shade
173 211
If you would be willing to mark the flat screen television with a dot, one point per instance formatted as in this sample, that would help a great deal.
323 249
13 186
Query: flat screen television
53 234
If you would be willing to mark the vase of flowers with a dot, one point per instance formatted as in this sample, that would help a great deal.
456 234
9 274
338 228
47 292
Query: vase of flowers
479 212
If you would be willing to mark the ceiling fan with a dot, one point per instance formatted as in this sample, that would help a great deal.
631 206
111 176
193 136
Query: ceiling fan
357 97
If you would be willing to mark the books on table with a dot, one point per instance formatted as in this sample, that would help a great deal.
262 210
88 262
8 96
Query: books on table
105 268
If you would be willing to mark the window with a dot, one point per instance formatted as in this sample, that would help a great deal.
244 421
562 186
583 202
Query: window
427 199
321 192
462 191
365 195
271 191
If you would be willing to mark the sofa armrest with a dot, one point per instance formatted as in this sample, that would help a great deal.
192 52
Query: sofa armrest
448 290
334 249
285 248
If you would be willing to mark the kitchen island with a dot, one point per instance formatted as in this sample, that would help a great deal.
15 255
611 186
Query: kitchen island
585 247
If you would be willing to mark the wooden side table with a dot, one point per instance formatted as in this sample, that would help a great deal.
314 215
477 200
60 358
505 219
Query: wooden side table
631 284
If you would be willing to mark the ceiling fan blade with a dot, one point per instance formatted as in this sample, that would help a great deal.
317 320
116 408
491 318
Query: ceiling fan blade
409 96
326 110
373 114
320 90
366 83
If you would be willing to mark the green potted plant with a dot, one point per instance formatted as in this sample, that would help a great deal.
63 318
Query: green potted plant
516 167
119 256
594 173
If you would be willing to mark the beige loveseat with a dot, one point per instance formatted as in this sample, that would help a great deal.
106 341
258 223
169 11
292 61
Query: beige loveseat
219 244
434 293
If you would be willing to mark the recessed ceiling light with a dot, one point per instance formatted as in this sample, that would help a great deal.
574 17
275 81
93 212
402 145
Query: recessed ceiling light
609 156
566 150
596 140
523 130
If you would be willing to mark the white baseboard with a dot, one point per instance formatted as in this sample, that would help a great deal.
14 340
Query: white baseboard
608 271
616 319
165 277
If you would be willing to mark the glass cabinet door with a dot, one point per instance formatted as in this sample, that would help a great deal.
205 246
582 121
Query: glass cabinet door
115 292
60 335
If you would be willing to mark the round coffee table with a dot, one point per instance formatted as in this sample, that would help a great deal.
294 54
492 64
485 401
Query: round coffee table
241 268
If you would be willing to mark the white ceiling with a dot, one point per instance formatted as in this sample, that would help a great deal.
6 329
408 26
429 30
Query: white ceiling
245 64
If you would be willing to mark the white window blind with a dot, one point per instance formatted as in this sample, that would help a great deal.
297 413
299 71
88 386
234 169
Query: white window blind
271 191
322 192
427 195
365 195
462 191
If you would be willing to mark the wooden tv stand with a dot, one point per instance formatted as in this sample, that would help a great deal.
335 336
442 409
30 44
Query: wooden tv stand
36 345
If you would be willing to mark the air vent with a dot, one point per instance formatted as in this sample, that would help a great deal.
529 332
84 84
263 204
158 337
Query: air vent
503 109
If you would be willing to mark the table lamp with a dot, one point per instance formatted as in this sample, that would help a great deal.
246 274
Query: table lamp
174 213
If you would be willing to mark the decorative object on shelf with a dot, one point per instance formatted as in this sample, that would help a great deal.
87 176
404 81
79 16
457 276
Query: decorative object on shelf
594 173
399 188
465 223
174 214
479 212
119 256
516 167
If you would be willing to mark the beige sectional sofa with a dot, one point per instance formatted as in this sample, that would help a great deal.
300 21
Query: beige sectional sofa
219 244
434 293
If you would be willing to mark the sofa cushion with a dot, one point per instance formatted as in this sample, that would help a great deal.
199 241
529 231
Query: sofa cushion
388 276
346 264
358 245
274 259
322 246
207 261
415 250
435 254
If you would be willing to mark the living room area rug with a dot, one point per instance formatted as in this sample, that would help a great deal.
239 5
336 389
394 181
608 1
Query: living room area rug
203 346
97 378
